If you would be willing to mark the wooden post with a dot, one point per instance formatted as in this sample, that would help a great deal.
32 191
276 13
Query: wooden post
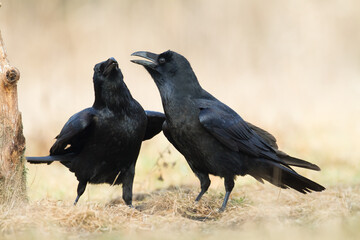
12 141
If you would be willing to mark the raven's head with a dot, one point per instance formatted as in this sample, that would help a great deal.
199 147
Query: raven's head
107 71
109 85
168 69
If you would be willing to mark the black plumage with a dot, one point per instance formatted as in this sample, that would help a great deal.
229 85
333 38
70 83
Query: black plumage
101 144
213 138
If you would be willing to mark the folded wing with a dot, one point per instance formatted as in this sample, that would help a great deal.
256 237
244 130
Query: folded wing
155 121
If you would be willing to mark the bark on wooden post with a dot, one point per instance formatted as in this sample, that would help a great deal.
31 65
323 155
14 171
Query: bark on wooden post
12 141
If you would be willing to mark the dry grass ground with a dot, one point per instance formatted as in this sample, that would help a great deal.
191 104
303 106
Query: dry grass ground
254 210
291 67
165 208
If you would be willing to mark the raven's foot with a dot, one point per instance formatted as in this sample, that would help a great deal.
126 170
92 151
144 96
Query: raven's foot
222 209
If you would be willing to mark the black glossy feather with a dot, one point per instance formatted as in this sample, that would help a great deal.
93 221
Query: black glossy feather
76 126
266 136
232 131
289 160
155 121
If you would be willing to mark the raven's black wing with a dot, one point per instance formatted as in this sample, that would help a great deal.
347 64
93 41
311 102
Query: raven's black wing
267 137
155 121
74 127
232 131
289 160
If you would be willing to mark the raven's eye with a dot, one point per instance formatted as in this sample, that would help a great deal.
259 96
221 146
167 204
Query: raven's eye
162 60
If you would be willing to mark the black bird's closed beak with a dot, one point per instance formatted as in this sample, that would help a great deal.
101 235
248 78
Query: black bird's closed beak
111 63
147 55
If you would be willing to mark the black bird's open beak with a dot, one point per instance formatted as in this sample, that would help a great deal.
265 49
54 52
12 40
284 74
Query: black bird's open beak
110 64
147 55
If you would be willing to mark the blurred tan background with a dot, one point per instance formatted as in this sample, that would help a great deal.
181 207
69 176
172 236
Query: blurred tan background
291 67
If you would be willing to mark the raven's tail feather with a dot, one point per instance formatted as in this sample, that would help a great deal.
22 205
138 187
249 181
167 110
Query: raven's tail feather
38 160
292 161
284 177
49 159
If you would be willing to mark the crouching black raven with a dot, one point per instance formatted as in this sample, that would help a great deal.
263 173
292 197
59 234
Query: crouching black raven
101 144
213 138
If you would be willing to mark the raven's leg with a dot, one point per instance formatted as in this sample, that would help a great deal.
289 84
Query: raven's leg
204 182
127 181
229 185
80 190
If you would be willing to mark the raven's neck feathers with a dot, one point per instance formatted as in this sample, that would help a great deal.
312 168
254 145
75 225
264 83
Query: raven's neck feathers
114 97
181 86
